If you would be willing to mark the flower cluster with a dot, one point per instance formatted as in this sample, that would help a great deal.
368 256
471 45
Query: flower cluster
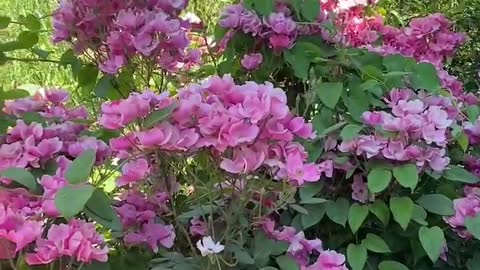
249 125
301 248
420 129
138 214
466 207
119 30
77 240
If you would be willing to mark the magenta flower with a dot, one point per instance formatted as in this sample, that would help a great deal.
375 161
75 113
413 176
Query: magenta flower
252 61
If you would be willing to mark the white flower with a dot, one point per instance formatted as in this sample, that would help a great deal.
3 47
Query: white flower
207 246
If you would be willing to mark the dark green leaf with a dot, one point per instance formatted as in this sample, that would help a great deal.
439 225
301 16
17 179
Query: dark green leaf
455 173
80 169
99 208
406 175
21 176
437 203
299 62
71 200
33 117
402 210
376 244
329 93
314 216
88 76
337 211
241 255
27 39
310 190
157 117
379 179
31 22
419 215
41 53
356 256
265 7
356 216
299 209
96 265
433 240
4 22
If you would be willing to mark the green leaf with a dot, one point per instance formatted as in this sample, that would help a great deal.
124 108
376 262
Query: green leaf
375 244
356 216
310 10
96 265
21 176
329 93
287 263
41 53
88 76
379 179
80 169
265 7
433 240
27 39
473 111
462 140
157 117
99 208
419 215
309 190
424 76
299 209
14 94
391 265
314 216
356 256
402 210
241 255
350 132
71 200
437 203
4 22
299 62
455 173
33 117
406 175
104 87
338 211
31 22
473 226
380 209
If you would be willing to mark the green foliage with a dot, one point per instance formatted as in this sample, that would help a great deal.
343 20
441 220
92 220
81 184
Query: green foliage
70 200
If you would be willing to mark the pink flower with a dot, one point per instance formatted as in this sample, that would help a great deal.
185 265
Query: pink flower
252 61
133 171
244 160
300 172
157 136
153 235
360 189
17 228
198 227
329 260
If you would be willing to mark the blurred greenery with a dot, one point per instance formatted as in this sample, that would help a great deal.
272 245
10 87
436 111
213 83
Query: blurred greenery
465 14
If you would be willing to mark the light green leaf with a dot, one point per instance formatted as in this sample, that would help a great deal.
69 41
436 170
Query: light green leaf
433 240
80 169
27 39
406 175
473 111
462 140
21 176
379 179
380 209
391 265
350 132
329 93
473 226
376 244
402 210
356 256
455 173
437 203
337 211
287 263
71 200
157 117
356 216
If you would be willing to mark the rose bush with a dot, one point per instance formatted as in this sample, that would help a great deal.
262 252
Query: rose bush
324 140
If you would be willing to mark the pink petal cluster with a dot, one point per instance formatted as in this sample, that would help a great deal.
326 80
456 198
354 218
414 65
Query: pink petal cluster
198 227
77 240
120 30
252 61
133 171
466 207
301 248
420 132
249 125
138 212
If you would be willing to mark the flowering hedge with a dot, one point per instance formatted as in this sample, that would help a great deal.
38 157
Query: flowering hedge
324 140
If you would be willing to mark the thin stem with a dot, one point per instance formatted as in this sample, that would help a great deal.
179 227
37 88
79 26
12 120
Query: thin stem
12 264
28 60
